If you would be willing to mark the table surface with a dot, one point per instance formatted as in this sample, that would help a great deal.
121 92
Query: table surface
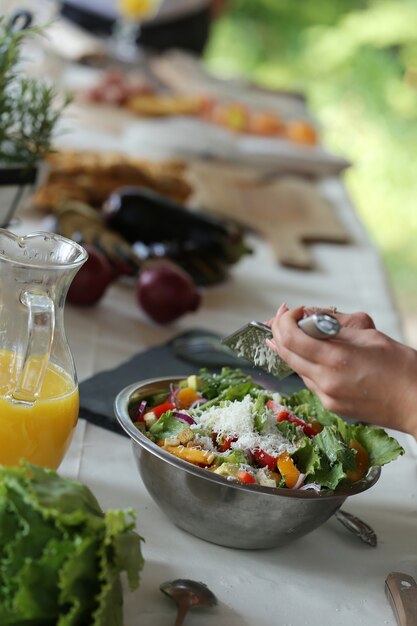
327 577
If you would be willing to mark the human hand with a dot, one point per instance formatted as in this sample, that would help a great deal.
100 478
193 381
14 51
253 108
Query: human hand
361 373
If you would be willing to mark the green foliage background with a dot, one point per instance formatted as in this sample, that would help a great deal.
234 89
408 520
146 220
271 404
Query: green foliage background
356 61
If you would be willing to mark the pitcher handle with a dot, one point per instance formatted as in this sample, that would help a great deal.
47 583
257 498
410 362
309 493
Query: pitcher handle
41 326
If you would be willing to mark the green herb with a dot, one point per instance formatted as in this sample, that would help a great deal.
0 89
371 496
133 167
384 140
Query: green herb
28 107
61 556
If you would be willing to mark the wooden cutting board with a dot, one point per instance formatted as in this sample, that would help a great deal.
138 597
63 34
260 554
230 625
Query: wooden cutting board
288 211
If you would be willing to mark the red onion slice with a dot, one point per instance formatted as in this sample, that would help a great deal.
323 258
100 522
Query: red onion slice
184 417
197 402
313 486
173 393
141 410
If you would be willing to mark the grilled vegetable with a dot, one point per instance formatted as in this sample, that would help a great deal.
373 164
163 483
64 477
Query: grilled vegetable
158 227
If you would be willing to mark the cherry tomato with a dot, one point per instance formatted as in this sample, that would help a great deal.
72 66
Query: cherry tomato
265 460
301 132
225 442
284 415
264 124
162 408
245 477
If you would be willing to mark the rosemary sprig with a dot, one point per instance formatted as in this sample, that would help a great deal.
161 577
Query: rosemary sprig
29 109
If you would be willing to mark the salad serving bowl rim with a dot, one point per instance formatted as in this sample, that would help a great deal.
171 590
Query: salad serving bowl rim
134 391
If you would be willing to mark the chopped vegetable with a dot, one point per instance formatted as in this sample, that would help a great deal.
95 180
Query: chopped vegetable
61 556
245 477
288 470
252 435
162 408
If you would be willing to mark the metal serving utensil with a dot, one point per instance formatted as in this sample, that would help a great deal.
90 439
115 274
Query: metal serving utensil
249 341
188 594
401 591
360 529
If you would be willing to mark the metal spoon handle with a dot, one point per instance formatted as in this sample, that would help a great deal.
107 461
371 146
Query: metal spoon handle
356 526
182 612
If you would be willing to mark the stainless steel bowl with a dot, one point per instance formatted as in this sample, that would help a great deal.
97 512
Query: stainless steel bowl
213 508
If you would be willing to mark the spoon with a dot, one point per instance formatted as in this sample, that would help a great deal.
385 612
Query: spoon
358 527
187 594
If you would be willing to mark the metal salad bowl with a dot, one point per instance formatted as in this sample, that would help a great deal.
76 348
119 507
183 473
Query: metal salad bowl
216 509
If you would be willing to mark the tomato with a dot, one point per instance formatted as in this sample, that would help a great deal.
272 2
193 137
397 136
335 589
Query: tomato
232 115
265 460
162 408
301 132
264 124
288 470
284 415
206 107
225 442
361 462
245 477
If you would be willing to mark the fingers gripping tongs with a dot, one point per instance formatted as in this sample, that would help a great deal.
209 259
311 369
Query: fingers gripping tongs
249 341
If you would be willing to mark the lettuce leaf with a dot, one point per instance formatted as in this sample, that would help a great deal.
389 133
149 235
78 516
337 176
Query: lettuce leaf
327 457
167 426
61 556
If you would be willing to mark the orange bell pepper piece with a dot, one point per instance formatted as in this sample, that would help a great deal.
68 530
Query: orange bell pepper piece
361 462
192 455
288 470
186 397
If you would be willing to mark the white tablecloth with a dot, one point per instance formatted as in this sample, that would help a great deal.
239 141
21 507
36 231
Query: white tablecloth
328 577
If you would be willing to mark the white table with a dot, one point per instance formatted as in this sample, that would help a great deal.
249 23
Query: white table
327 577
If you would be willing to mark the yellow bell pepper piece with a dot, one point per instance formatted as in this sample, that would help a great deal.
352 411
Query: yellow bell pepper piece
192 455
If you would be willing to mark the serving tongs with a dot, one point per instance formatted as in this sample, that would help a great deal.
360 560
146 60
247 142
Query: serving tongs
249 342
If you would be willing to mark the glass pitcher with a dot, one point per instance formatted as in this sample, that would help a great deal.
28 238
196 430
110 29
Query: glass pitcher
38 383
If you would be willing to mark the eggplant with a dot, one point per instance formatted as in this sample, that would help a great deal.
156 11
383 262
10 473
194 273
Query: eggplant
140 214
158 227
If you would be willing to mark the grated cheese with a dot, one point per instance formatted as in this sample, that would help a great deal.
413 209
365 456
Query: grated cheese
236 419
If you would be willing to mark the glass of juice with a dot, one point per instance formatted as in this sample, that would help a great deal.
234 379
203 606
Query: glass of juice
126 31
38 383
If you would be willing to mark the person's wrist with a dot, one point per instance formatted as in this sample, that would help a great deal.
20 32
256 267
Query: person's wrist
408 411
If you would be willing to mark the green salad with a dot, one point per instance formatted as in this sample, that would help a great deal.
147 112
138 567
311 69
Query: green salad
233 427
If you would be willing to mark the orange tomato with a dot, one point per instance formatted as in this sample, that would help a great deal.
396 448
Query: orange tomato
265 124
232 115
288 469
361 462
186 397
206 107
301 132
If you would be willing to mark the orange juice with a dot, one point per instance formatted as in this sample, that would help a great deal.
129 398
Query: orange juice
138 9
39 432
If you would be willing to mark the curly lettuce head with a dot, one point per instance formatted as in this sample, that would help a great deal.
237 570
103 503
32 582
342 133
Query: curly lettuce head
61 556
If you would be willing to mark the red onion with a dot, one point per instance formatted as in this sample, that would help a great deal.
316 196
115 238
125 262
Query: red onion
184 417
92 279
173 393
166 292
197 402
140 411
312 486
251 458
